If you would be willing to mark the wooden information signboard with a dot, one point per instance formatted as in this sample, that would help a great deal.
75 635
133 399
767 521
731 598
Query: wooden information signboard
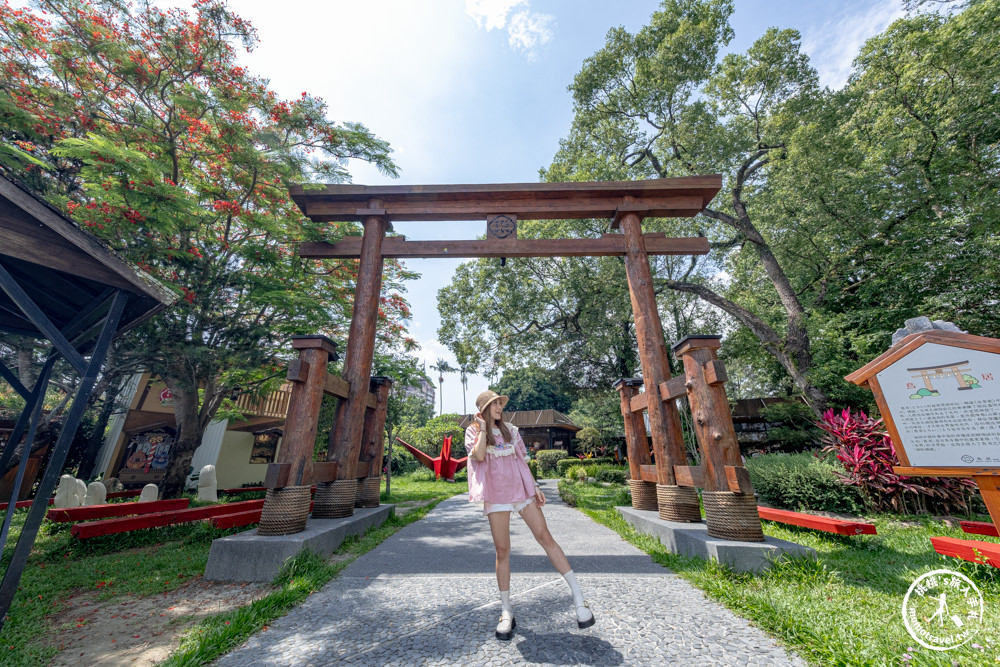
939 394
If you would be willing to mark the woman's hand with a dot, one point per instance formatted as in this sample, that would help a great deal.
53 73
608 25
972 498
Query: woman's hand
480 422
539 496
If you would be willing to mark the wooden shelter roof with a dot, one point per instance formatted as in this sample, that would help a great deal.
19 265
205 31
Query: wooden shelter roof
668 197
63 269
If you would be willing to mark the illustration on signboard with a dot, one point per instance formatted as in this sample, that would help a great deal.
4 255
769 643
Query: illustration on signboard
927 373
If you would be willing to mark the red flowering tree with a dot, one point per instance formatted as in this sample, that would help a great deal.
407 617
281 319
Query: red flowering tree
143 124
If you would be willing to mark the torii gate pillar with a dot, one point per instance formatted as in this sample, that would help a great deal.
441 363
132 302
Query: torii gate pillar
336 499
675 503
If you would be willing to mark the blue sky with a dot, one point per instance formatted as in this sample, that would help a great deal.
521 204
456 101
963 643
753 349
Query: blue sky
474 91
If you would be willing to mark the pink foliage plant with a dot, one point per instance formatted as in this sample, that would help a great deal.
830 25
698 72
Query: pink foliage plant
865 449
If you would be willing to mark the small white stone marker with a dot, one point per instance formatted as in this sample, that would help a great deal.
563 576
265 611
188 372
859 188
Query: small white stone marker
149 493
97 494
208 487
81 492
65 493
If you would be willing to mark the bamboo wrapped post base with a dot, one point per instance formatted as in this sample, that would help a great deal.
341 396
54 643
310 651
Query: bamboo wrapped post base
334 500
732 516
678 503
368 492
285 511
643 494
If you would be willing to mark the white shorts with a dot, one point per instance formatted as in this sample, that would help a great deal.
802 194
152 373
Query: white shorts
489 508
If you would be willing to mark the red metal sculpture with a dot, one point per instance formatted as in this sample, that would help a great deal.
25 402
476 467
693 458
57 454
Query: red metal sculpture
443 465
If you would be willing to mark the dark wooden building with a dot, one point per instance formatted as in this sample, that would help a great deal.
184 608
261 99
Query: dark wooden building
541 429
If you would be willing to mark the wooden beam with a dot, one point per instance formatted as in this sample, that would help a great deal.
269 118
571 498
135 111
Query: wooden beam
277 474
739 479
673 388
606 246
669 390
538 208
690 476
338 386
656 197
648 473
715 372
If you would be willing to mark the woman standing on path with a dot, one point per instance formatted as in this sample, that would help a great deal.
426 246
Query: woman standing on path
499 478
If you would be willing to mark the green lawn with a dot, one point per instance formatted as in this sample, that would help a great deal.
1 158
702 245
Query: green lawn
844 608
157 560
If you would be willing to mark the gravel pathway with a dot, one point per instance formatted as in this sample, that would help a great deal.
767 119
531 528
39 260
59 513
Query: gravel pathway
427 596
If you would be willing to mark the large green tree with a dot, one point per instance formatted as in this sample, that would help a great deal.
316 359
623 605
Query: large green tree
534 388
160 142
570 314
663 103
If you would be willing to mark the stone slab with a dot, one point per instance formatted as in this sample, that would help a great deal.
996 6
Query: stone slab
252 557
692 539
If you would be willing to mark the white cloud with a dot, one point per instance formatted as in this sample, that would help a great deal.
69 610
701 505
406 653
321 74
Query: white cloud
527 30
833 45
491 14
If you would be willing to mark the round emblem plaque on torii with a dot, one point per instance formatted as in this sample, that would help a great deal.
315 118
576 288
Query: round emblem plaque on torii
501 227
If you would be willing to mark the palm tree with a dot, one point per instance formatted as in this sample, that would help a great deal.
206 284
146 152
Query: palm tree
465 366
441 367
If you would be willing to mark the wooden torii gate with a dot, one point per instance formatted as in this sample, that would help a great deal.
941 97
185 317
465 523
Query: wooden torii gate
731 510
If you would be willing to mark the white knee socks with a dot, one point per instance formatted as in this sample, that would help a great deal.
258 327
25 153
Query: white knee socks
574 588
505 602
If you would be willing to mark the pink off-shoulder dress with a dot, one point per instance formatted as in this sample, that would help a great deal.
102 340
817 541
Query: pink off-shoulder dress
503 476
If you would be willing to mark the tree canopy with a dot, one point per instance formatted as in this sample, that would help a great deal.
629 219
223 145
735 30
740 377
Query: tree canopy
842 212
534 388
143 124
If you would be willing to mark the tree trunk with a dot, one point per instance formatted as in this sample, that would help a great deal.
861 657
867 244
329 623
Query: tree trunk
796 364
192 416
189 435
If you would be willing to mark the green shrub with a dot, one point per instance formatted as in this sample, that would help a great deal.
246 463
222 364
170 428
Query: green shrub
591 495
567 491
547 459
563 464
574 473
533 467
793 426
802 481
613 474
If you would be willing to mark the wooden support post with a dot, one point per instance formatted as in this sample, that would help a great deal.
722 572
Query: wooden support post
989 489
664 420
308 376
730 505
713 423
373 438
637 446
345 440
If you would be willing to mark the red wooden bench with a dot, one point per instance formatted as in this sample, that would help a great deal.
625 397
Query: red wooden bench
239 519
88 512
126 524
971 550
20 504
838 526
979 528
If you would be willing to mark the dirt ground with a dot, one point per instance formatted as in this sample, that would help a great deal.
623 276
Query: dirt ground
138 632
129 630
